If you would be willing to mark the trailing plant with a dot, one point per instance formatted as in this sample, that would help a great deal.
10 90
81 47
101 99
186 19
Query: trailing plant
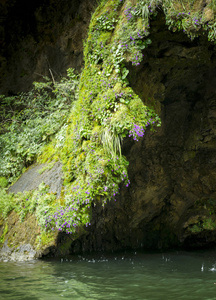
191 18
51 212
107 110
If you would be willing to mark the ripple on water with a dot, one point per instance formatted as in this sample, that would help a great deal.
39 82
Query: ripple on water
131 277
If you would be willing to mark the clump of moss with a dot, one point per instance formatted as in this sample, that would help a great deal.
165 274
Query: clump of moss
208 223
2 238
3 182
45 238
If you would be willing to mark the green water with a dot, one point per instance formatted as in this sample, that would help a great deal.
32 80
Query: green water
123 276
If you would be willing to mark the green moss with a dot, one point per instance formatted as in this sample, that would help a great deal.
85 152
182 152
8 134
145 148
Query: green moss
7 203
107 109
48 166
3 182
45 239
208 223
5 231
197 228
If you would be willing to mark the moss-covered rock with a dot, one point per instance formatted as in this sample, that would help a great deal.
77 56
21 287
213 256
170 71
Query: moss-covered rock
142 59
21 239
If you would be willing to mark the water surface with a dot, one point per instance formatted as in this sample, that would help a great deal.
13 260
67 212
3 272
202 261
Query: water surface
129 276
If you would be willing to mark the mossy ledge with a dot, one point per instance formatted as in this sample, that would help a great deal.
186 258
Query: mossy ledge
107 110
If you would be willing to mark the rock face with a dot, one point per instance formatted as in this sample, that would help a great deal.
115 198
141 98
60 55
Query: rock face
172 196
40 37
171 199
50 174
21 239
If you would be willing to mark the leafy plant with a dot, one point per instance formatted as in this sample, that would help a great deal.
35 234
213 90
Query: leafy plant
7 203
30 120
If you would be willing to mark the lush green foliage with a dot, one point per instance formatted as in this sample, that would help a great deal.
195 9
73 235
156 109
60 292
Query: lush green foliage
106 111
29 120
7 203
51 212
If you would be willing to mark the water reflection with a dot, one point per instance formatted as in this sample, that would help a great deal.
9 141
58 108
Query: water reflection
124 276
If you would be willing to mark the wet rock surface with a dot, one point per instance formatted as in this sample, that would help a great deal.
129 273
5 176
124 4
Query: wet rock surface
22 253
34 176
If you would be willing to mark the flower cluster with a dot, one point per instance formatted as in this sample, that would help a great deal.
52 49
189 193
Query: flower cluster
136 132
65 219
137 58
129 13
196 21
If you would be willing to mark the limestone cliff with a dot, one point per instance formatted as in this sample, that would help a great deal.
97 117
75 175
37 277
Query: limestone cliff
166 58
